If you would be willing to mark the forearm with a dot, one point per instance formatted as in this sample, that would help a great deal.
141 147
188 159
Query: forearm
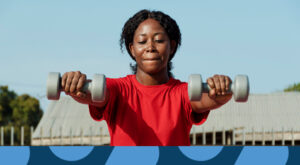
206 103
88 100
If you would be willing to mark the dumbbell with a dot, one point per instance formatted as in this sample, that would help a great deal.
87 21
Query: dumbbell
97 88
239 88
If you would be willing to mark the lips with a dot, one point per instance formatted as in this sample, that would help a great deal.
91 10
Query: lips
151 58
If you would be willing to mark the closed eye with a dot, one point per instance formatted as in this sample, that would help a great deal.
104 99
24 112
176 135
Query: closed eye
142 42
159 41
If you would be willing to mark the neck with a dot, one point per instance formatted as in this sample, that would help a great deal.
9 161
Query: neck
152 79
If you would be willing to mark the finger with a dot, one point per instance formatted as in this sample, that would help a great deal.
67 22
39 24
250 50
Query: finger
211 83
81 82
63 80
212 91
75 82
217 84
80 94
227 83
69 81
222 84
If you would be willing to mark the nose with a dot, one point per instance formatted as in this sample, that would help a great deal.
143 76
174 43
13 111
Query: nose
150 47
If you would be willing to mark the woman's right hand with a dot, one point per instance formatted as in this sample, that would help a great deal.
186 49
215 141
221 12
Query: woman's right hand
72 84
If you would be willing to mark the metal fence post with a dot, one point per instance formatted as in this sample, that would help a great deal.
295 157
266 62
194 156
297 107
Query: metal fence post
81 136
61 135
194 136
12 136
214 136
233 137
273 137
223 136
22 136
244 138
282 140
203 136
293 138
31 134
50 136
2 136
253 136
101 136
71 136
263 136
91 136
41 136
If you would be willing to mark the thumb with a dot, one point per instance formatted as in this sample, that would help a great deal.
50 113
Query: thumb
212 93
81 94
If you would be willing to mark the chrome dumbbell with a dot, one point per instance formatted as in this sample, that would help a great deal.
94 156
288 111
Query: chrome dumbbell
239 88
97 88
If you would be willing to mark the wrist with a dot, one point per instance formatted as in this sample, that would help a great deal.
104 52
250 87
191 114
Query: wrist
220 100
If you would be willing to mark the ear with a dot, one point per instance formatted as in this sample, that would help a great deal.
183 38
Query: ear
173 45
131 50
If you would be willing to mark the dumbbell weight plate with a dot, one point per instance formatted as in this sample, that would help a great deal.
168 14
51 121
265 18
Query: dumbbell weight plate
98 88
241 88
53 86
195 87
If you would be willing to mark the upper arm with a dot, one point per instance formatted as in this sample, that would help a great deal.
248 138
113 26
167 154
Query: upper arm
103 110
192 116
103 103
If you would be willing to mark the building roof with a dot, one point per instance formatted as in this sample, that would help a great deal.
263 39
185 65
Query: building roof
65 116
261 111
275 111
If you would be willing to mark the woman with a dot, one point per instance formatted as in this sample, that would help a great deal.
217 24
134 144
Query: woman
149 107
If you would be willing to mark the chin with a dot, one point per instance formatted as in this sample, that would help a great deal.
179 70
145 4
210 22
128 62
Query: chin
152 70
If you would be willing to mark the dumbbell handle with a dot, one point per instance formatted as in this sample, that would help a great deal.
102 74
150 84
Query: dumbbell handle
87 87
206 88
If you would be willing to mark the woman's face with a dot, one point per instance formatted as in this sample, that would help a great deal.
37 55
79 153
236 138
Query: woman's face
151 47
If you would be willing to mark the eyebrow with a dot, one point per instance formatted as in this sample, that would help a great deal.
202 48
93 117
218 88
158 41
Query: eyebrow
143 34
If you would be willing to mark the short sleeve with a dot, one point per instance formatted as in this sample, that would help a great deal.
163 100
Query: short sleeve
105 112
192 117
96 112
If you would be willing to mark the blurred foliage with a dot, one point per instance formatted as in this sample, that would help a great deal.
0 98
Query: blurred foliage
18 111
6 97
293 88
26 110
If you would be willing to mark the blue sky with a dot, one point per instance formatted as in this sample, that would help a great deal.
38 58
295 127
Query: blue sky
257 38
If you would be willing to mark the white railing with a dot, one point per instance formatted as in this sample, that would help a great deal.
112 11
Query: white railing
204 137
241 137
70 137
12 135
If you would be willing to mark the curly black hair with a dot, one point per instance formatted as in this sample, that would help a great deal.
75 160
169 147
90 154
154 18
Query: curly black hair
165 21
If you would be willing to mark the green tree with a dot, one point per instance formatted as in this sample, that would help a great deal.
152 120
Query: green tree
291 88
6 97
18 111
26 110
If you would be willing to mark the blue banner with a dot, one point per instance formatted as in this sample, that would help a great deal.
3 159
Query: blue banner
89 155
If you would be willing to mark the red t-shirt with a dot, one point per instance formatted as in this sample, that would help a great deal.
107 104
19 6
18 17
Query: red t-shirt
155 115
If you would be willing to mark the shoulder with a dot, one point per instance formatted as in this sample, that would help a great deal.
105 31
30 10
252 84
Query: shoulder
119 82
180 88
120 79
178 83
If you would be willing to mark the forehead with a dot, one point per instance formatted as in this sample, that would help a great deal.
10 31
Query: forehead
149 26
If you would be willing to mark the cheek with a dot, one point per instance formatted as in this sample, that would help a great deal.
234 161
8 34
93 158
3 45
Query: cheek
165 50
138 50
